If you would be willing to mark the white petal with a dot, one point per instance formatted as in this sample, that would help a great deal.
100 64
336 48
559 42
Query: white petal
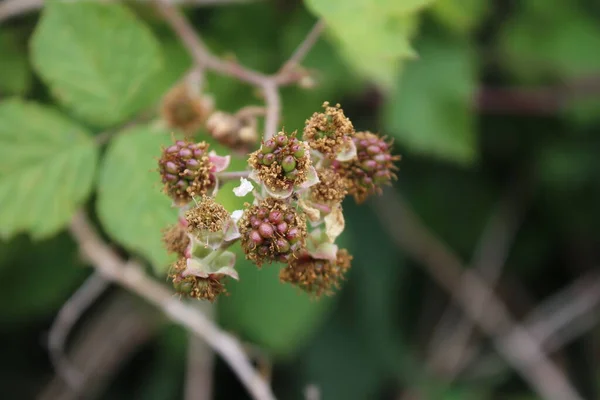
325 251
236 215
312 178
312 213
280 194
348 152
334 223
231 231
244 188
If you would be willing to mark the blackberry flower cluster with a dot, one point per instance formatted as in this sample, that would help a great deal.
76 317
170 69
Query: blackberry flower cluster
296 215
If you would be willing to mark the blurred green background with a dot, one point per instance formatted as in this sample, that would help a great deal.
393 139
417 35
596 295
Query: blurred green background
494 105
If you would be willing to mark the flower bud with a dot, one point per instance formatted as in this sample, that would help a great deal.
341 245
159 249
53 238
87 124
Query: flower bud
184 110
274 239
186 168
327 132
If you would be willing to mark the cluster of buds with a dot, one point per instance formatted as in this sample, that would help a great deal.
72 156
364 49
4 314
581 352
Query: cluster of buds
296 216
187 169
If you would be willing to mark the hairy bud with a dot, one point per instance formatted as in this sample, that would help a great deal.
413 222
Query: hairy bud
271 231
199 288
176 240
316 276
281 164
239 133
328 132
185 168
372 167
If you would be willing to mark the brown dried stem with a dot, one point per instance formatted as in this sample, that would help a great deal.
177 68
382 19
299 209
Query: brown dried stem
132 276
521 350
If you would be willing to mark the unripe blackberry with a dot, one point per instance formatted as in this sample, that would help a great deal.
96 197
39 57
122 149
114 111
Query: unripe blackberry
184 110
271 231
206 216
372 167
176 240
330 190
328 132
199 288
316 276
185 168
282 164
234 131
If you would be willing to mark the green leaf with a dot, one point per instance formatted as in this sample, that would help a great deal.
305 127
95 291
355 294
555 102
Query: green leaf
47 165
431 109
273 315
96 58
560 41
373 36
15 74
462 16
131 206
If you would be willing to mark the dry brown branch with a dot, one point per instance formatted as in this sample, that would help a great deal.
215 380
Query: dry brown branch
521 350
448 350
133 277
63 324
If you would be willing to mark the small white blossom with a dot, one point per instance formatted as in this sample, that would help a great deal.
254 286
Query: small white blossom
244 188
236 215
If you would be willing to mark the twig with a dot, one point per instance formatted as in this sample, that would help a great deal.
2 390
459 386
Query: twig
198 380
303 48
112 267
560 319
273 109
521 350
15 8
66 318
107 340
448 354
231 176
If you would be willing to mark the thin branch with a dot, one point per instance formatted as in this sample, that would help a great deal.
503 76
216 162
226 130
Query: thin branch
201 55
200 363
231 176
273 101
133 277
521 350
66 318
303 48
560 319
490 256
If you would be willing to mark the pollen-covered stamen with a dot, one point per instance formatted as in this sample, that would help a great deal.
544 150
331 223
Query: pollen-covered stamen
206 216
316 276
176 239
186 170
329 131
330 190
199 288
372 168
184 110
281 163
271 231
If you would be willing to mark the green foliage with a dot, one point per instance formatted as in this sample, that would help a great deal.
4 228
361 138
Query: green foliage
287 316
373 36
430 111
462 16
131 206
15 74
560 41
47 165
96 58
37 277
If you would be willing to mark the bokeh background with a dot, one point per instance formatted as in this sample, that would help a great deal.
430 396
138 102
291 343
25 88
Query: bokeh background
498 124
